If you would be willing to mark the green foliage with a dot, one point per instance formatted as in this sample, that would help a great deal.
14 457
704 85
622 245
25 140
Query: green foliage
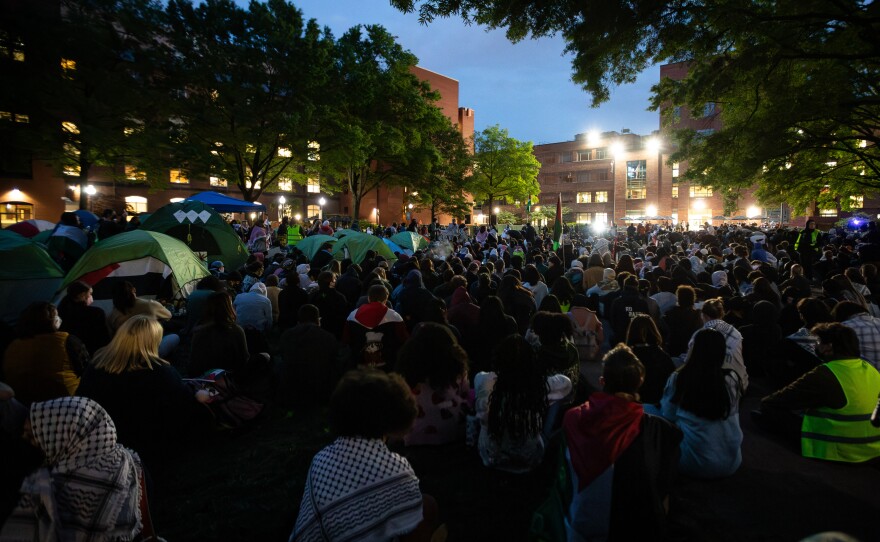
504 167
450 162
795 82
508 217
249 90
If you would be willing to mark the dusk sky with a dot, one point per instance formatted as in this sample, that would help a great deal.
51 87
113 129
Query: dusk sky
524 87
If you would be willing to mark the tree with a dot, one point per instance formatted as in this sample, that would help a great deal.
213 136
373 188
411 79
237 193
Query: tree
84 88
796 82
440 190
249 88
504 167
381 115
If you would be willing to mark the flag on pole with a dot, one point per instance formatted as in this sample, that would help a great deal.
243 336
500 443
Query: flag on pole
557 228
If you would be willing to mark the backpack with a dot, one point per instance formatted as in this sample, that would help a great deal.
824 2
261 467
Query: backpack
227 403
585 339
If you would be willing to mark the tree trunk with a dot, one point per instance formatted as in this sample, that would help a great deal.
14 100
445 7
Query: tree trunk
433 211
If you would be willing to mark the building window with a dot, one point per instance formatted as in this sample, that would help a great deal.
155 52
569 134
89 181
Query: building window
314 152
601 197
132 173
709 109
565 156
584 218
178 177
601 154
636 179
284 152
584 156
68 67
857 202
701 192
136 204
69 127
13 212
676 114
566 177
585 197
706 132
674 191
831 212
549 158
11 47
22 118
71 159
313 211
313 186
600 218
217 181
675 170
285 184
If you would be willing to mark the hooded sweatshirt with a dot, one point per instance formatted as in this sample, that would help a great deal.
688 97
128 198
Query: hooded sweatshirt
374 333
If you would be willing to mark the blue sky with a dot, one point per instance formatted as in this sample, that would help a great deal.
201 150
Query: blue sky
524 87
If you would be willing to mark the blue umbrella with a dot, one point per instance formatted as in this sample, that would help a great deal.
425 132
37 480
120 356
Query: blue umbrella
86 218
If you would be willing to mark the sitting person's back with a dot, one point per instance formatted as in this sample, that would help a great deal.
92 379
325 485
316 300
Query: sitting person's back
311 364
218 342
622 477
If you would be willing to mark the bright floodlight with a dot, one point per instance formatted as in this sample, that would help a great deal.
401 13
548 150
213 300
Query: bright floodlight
253 216
410 205
91 190
497 210
322 202
752 212
481 218
616 149
598 228
652 210
699 204
653 145
298 217
282 200
593 138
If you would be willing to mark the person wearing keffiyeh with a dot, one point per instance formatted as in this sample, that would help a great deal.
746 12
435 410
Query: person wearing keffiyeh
87 490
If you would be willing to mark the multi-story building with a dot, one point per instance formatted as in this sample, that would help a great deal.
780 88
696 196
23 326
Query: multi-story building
30 188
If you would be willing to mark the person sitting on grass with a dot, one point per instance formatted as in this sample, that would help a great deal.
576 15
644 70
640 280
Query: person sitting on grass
622 460
356 488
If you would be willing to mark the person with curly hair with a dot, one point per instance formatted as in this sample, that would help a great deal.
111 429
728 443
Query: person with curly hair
512 404
436 368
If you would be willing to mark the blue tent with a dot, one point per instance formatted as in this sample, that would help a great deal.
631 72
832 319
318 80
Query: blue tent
226 204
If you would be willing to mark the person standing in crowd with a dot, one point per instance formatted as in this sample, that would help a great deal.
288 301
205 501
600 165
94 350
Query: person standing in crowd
807 245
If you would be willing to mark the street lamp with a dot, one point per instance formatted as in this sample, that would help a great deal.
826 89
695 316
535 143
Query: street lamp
281 201
322 202
651 210
297 217
91 191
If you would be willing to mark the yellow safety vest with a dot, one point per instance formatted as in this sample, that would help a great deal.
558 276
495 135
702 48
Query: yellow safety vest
814 235
845 434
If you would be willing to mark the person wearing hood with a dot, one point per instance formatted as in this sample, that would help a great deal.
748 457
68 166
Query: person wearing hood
464 314
349 283
607 285
330 303
622 460
374 332
253 309
322 257
625 307
311 364
575 275
762 334
325 228
413 299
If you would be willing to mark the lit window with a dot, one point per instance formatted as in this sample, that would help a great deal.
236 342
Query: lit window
217 181
584 218
6 115
68 66
284 152
636 179
857 202
136 204
176 200
13 212
11 47
249 184
675 191
71 158
600 218
585 197
314 151
636 193
313 211
132 173
313 186
285 184
701 192
675 170
69 127
22 118
601 197
828 212
178 177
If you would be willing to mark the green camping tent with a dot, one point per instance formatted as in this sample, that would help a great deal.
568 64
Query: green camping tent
355 246
410 240
202 229
158 265
30 275
312 244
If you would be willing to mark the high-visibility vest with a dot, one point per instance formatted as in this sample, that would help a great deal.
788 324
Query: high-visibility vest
845 434
814 235
293 235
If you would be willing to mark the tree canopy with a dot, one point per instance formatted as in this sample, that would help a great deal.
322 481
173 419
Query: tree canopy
504 167
795 81
449 165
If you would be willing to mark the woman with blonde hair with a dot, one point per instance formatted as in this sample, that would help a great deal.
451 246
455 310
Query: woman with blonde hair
152 407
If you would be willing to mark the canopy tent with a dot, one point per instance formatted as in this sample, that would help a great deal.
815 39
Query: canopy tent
202 229
395 248
340 233
66 245
412 241
158 265
29 276
31 227
355 246
86 218
226 204
719 217
312 244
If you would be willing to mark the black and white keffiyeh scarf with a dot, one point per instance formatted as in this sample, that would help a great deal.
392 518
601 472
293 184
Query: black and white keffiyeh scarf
88 488
358 490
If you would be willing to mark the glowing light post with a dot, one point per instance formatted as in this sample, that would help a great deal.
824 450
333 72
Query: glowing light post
495 212
91 191
321 203
281 201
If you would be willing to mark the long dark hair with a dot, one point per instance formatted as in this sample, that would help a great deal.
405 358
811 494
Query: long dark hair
701 386
124 296
518 402
432 356
218 310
